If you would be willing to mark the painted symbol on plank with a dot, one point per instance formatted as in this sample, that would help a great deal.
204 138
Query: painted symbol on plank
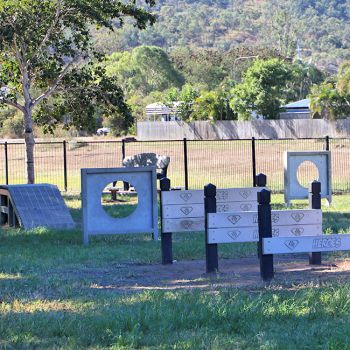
234 234
298 231
255 219
275 232
297 216
187 224
222 208
234 219
186 196
186 210
245 193
245 207
256 234
275 218
291 244
222 195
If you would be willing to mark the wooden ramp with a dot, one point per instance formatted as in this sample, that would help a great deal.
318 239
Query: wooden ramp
32 206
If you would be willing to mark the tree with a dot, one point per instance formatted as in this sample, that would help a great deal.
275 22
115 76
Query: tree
143 70
331 99
47 59
262 90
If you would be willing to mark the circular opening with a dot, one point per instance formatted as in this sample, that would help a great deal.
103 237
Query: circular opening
306 173
119 199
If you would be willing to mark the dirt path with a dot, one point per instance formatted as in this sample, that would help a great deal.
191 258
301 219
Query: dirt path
238 273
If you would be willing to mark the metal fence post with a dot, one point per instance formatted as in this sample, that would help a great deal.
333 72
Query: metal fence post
65 177
315 203
166 237
123 149
253 162
211 250
6 164
265 231
185 164
327 143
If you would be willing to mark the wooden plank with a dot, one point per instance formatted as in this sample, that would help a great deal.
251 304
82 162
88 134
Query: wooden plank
296 217
233 219
324 243
197 210
278 218
233 235
183 225
251 234
183 197
245 194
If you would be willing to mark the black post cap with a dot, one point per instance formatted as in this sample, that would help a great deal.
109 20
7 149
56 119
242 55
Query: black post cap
210 190
165 184
260 180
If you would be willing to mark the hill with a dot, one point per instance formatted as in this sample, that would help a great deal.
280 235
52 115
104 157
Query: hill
317 30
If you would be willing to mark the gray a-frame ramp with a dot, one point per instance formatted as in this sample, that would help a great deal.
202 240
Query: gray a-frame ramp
32 206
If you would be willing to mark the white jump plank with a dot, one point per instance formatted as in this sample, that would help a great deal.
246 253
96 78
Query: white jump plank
324 243
296 217
183 225
183 197
233 235
251 234
245 194
177 211
233 219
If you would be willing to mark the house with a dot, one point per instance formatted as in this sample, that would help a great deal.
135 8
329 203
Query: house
296 110
160 112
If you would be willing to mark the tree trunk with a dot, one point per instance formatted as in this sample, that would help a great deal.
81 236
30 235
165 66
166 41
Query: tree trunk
29 141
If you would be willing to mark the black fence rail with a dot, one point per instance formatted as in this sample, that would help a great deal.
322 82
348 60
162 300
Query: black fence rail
193 163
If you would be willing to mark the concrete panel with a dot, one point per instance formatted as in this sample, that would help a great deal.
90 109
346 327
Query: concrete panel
96 221
292 188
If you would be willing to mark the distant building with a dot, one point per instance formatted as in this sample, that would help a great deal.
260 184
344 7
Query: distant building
296 110
160 112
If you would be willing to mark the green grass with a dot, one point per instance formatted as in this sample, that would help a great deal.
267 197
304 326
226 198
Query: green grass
49 298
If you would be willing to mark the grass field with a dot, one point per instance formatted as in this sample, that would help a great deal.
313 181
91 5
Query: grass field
227 163
56 294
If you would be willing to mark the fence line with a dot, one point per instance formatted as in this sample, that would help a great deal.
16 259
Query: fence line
193 163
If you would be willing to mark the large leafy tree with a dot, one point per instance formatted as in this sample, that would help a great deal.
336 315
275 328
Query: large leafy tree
262 90
47 62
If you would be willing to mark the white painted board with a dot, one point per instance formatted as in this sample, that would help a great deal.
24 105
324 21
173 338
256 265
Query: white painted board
183 225
278 218
296 217
251 234
233 219
324 243
197 210
245 194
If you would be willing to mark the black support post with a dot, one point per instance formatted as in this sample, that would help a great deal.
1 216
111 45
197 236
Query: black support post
315 203
166 237
6 164
211 250
185 164
253 162
265 231
65 177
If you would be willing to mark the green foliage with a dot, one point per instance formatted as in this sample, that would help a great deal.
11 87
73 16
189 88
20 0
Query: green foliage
262 90
143 70
47 57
